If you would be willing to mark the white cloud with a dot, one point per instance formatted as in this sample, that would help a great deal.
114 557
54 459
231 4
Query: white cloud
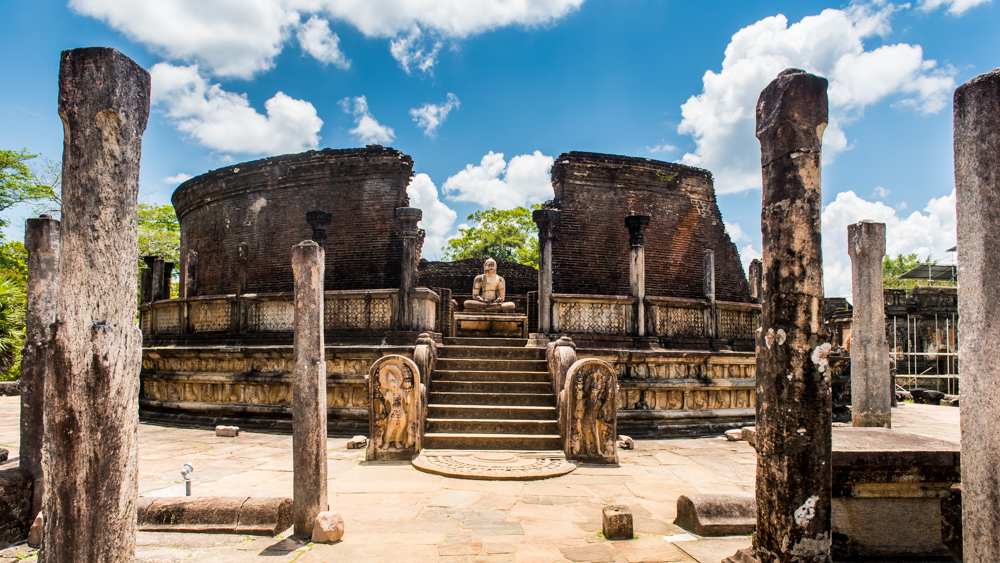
368 130
929 233
316 39
661 148
525 180
412 51
880 192
224 121
430 116
831 44
438 218
747 254
240 38
736 232
955 7
179 178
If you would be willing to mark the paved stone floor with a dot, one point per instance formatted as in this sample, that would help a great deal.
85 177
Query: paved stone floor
396 513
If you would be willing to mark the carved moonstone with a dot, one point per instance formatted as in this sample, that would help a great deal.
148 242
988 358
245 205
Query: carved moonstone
395 409
489 290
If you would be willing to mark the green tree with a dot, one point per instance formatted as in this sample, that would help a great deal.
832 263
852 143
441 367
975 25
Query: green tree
159 235
892 268
20 184
502 234
11 328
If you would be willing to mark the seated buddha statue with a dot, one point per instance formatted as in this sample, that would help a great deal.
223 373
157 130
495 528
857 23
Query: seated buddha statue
489 291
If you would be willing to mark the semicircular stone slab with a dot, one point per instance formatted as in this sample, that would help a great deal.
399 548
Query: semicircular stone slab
494 466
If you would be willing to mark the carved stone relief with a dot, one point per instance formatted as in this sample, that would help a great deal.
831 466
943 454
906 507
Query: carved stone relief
395 409
592 387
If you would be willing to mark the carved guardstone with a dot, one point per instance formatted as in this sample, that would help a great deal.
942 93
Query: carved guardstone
592 392
394 399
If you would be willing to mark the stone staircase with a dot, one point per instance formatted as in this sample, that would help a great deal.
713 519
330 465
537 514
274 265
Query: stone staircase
491 394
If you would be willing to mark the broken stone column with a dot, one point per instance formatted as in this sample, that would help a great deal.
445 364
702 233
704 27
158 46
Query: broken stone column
756 279
871 385
637 267
41 240
92 389
977 183
168 273
146 281
408 218
309 389
711 322
545 219
794 412
157 268
191 275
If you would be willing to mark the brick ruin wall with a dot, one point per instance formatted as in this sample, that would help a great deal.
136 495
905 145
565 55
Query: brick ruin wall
459 275
264 203
590 246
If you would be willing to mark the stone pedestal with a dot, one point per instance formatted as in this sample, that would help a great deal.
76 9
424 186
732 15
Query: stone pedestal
309 389
793 377
977 170
871 385
92 389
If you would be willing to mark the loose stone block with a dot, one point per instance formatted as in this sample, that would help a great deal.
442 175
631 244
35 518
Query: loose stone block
794 409
626 443
871 382
255 516
92 389
618 522
749 433
309 388
977 170
35 533
357 442
329 527
734 435
227 431
717 515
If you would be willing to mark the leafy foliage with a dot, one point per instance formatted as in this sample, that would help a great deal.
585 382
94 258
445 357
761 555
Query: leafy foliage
502 234
20 184
159 235
11 327
892 268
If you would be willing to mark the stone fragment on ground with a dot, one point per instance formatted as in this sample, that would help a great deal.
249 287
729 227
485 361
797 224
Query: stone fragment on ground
35 533
357 442
626 443
617 520
227 431
734 435
3 454
749 433
329 527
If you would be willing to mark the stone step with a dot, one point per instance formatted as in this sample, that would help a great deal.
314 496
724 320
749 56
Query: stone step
491 386
512 399
459 441
491 352
480 364
491 426
492 412
455 375
470 341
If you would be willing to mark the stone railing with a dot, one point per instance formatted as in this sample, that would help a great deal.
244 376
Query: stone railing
612 315
665 317
261 313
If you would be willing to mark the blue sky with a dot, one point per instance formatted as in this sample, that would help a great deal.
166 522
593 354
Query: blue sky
485 94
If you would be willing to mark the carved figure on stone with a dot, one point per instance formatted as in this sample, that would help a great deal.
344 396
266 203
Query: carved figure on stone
489 290
395 408
593 388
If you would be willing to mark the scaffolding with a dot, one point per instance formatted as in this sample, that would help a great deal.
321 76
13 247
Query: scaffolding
927 352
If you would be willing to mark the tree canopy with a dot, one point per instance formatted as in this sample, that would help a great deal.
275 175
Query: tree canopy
19 183
159 232
502 234
892 268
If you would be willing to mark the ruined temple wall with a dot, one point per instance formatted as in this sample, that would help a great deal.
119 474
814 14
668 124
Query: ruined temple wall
263 204
590 247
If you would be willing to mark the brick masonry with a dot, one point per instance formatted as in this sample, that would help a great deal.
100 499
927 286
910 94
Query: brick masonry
264 203
590 246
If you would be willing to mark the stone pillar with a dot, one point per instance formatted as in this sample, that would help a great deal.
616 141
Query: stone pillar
637 267
318 221
756 279
794 413
191 275
545 219
242 279
92 390
41 240
156 269
408 218
146 280
309 389
871 387
168 274
977 182
711 315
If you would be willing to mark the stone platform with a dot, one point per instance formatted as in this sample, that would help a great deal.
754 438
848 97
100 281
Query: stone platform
494 465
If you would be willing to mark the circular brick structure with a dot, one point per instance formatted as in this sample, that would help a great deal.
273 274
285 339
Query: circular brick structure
242 220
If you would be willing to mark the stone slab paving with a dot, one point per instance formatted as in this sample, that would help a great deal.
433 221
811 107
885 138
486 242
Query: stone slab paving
394 512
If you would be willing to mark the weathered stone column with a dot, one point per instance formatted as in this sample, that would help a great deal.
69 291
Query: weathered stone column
711 316
157 268
146 280
794 413
977 183
871 385
309 463
41 240
408 218
168 273
92 389
545 219
756 275
637 267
